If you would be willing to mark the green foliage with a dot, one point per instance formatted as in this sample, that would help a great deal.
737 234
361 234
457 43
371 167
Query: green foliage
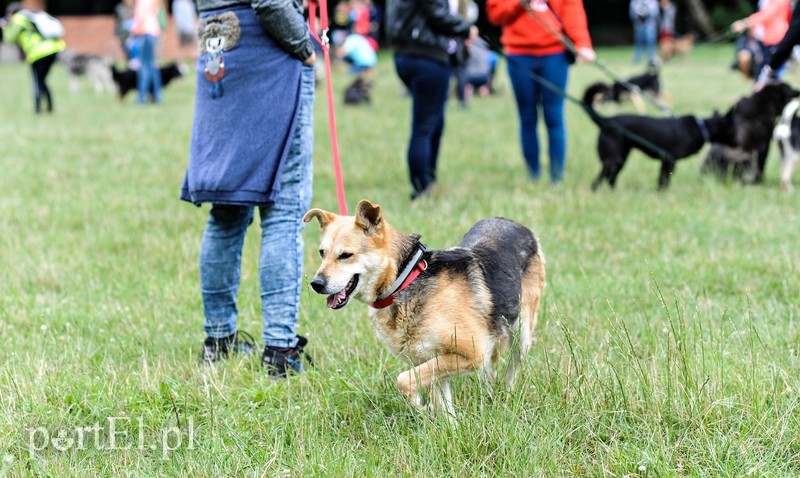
667 343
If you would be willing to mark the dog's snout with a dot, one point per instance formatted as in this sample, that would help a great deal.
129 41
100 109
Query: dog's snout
318 284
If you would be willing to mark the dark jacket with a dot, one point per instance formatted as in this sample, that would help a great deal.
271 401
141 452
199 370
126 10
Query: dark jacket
423 28
792 37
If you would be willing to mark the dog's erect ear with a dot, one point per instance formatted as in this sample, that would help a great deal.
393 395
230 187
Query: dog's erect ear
324 217
369 217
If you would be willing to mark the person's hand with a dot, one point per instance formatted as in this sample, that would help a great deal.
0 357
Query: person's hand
739 26
586 55
311 60
767 75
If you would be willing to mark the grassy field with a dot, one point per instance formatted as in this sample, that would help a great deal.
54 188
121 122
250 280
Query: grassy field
667 345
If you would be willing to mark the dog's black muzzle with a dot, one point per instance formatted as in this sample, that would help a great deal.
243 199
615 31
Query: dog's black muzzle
318 284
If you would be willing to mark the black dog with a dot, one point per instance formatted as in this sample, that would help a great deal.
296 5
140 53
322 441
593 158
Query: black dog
617 92
126 79
665 139
357 92
754 119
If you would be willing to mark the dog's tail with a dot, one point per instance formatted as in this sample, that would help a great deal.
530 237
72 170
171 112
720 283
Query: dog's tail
590 96
783 130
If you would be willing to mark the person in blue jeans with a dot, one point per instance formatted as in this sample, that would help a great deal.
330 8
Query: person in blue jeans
148 77
645 16
538 68
251 149
425 33
146 29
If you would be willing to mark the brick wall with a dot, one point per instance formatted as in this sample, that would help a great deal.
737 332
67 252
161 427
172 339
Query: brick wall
95 35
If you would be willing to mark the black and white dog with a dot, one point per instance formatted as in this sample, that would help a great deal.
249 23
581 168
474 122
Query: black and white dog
93 67
787 136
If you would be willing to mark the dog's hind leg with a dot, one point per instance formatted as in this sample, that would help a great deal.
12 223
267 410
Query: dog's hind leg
667 167
605 174
638 103
788 163
533 283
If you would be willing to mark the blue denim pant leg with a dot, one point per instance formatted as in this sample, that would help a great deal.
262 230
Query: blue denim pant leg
530 95
148 74
428 81
281 258
220 266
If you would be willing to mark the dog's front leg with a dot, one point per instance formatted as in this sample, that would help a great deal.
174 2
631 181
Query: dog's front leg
434 371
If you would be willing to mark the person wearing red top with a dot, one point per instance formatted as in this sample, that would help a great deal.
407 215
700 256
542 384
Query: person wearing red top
533 43
768 26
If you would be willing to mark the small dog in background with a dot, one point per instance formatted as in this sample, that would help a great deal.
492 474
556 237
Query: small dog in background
787 135
677 46
647 83
126 79
448 312
357 92
92 67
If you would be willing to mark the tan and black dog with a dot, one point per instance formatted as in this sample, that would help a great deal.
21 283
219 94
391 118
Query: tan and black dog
448 312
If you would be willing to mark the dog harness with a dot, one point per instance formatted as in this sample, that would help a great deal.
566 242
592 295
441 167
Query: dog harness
412 270
703 129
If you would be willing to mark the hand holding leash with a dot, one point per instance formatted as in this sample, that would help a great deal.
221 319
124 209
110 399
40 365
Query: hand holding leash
767 75
586 55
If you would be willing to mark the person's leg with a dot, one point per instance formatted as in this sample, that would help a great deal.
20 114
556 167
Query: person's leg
652 37
145 73
155 72
37 89
638 42
281 259
220 267
428 83
39 69
526 91
555 69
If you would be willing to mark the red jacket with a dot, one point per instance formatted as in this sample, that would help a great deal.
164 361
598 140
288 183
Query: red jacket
535 32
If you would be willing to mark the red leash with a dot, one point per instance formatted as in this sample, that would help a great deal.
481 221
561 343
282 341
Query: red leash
325 42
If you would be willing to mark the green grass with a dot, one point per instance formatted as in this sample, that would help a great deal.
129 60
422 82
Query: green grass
667 345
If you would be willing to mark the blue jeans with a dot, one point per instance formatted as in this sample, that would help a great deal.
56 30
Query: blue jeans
280 263
529 94
428 82
148 77
645 35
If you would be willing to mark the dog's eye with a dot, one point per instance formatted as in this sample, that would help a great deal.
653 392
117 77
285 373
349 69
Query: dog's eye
322 253
345 255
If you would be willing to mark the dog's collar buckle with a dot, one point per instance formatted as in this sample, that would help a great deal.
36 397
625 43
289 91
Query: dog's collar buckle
414 268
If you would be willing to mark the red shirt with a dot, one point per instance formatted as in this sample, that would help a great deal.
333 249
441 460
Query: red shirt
536 32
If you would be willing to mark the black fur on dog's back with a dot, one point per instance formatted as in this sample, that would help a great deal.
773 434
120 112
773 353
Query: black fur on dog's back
499 251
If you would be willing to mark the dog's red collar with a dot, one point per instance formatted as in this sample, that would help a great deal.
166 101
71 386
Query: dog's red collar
413 274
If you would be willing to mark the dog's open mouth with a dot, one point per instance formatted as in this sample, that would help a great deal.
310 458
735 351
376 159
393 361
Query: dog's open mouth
341 298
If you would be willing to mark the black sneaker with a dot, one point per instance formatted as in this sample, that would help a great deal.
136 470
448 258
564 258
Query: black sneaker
280 361
214 350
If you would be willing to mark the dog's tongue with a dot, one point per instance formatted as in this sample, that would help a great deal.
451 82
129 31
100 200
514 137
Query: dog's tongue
334 299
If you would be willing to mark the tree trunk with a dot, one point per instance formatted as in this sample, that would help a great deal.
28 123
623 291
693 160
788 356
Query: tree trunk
700 17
